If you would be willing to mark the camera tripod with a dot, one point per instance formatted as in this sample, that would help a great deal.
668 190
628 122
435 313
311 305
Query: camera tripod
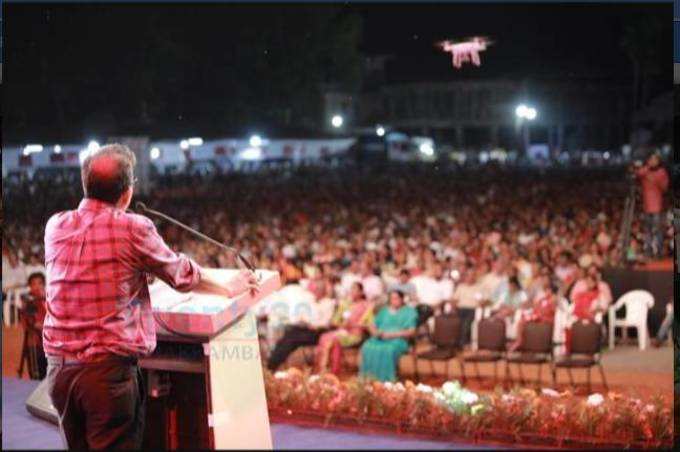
627 222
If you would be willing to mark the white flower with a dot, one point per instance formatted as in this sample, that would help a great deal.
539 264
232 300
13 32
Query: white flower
281 374
550 392
424 388
313 378
595 400
469 397
399 386
439 396
388 385
649 408
450 388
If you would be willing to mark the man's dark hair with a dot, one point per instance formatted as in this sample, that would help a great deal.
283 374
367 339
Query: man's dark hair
107 173
34 275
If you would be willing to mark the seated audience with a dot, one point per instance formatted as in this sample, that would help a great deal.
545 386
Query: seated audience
510 300
406 287
392 326
307 329
542 309
350 322
466 298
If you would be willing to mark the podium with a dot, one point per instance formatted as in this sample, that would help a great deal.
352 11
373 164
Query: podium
204 380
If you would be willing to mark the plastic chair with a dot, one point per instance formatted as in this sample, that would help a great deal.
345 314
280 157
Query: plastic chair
638 303
11 306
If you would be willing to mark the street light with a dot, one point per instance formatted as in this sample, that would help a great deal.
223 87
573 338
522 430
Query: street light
93 146
525 112
57 149
155 153
380 131
255 141
31 148
184 144
337 121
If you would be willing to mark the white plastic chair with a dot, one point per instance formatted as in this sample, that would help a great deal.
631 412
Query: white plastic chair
12 304
638 303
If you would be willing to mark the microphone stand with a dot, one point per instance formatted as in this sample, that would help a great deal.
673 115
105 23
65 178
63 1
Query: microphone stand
141 206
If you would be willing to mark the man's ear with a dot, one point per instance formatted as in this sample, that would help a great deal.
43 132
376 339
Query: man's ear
126 198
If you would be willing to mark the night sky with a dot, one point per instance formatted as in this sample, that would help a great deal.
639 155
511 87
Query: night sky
531 39
128 68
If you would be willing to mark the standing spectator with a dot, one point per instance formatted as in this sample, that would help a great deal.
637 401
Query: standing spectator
665 327
32 315
654 180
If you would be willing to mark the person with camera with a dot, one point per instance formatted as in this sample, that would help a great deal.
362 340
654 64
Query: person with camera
32 315
653 179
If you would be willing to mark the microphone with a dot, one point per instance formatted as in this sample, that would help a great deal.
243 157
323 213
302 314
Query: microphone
141 206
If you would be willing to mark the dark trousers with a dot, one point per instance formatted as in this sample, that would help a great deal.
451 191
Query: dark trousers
653 246
101 405
466 315
294 337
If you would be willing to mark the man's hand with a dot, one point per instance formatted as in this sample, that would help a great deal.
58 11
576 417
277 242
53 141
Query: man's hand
244 281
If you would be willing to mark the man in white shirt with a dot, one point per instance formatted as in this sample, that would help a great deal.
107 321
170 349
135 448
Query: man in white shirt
13 272
284 307
349 277
308 321
373 285
466 298
428 289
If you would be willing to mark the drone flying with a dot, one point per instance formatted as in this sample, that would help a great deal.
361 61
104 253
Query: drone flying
465 51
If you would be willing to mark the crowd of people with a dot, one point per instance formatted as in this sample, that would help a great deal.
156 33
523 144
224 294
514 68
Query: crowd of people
362 250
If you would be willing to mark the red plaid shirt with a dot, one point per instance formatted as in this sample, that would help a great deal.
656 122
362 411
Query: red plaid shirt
97 258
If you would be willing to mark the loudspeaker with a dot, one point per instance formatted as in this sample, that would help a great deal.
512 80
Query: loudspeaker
40 405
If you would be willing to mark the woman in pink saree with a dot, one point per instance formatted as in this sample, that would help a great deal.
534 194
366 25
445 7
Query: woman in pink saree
352 317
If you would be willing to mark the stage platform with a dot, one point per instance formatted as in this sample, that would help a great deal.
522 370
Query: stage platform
23 431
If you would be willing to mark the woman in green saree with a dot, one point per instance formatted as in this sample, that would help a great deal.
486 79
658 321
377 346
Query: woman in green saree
393 325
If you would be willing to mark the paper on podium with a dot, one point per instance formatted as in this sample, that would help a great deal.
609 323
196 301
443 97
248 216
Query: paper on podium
206 315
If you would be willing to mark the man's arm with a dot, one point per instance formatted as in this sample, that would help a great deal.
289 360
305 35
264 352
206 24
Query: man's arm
244 281
180 272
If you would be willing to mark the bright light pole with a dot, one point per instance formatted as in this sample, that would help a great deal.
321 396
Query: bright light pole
337 121
524 112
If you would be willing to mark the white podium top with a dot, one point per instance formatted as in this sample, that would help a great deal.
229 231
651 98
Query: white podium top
206 315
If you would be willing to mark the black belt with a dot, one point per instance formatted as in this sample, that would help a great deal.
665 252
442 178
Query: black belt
104 359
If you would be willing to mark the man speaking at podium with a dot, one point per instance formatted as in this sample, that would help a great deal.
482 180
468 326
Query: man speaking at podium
99 318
